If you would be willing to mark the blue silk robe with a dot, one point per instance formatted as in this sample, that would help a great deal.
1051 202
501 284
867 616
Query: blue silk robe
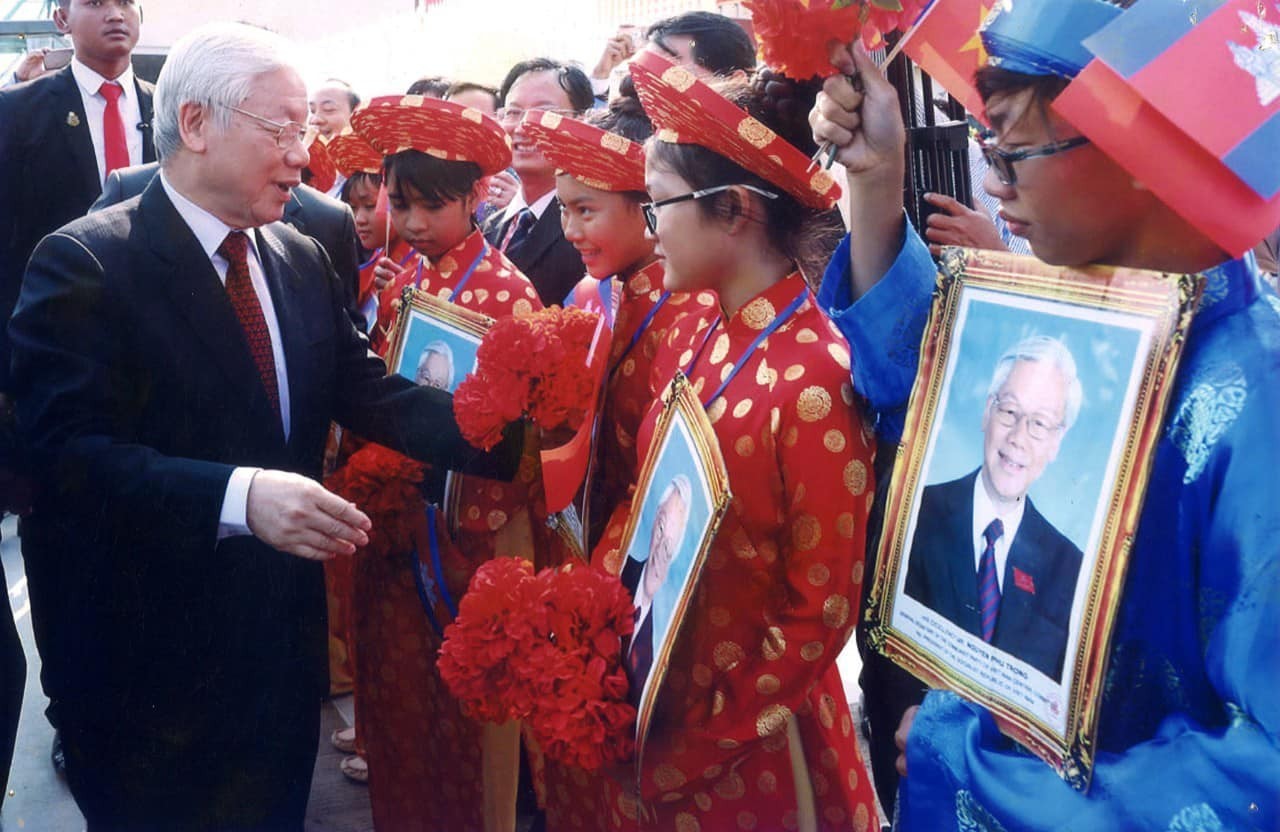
1189 732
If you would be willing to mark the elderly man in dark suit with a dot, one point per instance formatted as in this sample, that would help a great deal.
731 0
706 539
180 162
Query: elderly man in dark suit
983 556
177 360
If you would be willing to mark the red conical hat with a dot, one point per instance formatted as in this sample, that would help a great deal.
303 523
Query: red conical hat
596 158
684 110
442 129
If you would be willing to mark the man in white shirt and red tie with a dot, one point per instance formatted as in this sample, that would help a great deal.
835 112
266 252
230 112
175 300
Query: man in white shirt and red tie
60 135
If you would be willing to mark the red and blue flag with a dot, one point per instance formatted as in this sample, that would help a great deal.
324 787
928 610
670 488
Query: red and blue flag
1186 96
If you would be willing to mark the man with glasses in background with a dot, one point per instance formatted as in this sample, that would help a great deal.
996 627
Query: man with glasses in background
528 230
177 360
975 532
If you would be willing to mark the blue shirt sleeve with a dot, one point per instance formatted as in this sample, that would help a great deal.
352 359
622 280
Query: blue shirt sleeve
883 327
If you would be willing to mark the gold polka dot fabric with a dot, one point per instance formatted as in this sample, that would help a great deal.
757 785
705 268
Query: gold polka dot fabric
412 729
778 598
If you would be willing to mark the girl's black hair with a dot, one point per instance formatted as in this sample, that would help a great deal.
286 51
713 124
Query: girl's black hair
793 229
436 180
359 177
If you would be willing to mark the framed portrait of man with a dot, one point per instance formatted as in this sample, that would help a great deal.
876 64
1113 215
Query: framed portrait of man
434 342
680 500
1029 436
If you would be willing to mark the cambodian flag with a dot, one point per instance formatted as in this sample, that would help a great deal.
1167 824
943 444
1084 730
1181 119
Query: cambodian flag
1185 94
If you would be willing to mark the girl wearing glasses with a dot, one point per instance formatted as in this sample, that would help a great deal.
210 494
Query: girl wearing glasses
600 188
750 728
428 764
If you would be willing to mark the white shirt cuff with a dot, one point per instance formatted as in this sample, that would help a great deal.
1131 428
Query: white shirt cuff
235 504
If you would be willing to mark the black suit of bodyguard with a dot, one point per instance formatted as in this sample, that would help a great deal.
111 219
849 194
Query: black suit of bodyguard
188 667
48 176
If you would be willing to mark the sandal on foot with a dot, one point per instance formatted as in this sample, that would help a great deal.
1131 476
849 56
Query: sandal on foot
344 739
355 768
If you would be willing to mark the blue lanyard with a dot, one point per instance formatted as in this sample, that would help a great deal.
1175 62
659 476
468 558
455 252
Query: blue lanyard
437 568
639 333
377 255
765 333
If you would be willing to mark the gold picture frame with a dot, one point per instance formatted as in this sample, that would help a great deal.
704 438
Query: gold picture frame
685 466
1080 488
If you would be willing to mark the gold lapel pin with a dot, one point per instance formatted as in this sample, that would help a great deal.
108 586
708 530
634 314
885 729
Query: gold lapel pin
73 120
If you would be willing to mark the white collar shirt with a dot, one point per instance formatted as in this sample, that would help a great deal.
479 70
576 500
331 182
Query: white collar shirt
518 204
95 107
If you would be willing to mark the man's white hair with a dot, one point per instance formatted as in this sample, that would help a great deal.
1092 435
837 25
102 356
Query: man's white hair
679 484
1042 348
211 66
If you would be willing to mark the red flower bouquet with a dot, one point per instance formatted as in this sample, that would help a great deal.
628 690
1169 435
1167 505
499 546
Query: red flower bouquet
480 645
384 485
794 34
579 712
546 649
533 365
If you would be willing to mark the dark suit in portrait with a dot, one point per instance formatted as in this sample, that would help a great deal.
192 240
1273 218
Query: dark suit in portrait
1035 602
187 670
550 261
321 217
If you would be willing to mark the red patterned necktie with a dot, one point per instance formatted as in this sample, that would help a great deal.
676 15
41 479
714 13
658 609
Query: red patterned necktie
988 586
115 145
235 249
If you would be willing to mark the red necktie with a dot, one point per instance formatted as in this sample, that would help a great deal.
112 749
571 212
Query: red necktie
235 248
115 145
988 586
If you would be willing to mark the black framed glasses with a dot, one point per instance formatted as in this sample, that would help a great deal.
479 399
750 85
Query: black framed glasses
1002 161
286 133
650 209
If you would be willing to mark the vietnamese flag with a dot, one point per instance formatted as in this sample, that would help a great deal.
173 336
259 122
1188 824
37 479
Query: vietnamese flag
945 44
1181 97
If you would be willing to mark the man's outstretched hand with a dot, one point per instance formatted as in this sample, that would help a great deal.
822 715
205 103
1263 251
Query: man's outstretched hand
297 515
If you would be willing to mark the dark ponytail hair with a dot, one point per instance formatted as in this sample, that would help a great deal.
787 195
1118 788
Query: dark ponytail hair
793 229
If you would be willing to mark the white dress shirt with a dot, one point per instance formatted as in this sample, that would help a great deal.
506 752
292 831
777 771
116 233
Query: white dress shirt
517 204
95 105
210 231
983 513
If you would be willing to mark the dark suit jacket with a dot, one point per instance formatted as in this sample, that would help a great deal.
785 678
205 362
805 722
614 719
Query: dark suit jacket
136 390
311 212
550 261
48 172
1032 623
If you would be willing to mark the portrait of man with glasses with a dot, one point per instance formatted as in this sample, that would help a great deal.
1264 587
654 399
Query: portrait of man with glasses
983 556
